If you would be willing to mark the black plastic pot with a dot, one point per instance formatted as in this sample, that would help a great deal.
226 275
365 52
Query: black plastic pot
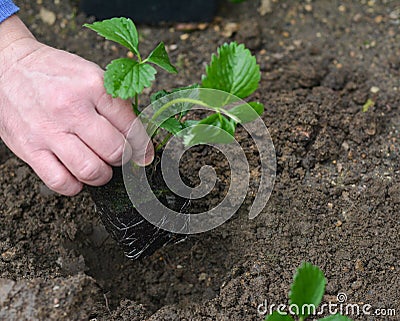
152 11
132 231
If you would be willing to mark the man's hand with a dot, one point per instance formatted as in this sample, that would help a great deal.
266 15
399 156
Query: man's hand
57 117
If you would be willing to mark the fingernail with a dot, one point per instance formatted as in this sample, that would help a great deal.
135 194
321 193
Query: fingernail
144 158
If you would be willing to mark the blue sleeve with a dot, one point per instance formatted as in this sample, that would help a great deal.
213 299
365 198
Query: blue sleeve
7 8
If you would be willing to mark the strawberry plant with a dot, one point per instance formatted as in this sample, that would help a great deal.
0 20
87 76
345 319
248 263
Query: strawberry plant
233 70
232 75
305 295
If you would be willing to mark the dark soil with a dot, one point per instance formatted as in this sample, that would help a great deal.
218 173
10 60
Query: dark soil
336 201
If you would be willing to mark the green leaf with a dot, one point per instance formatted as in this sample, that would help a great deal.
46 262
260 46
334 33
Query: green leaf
159 57
172 125
125 77
233 70
258 107
120 30
159 94
220 121
336 317
190 122
307 289
214 129
247 112
276 316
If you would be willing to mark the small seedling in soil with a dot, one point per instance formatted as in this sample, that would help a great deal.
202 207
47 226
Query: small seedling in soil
305 295
232 70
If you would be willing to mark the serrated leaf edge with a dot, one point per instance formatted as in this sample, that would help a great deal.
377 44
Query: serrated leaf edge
234 46
117 92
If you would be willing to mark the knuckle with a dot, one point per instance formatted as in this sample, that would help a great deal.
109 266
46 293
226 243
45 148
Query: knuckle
58 182
94 80
106 177
116 155
72 189
63 101
89 171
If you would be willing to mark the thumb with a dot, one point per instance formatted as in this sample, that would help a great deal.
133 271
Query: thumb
142 146
120 114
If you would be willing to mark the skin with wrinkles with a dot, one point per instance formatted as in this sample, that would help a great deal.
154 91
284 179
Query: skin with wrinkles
57 117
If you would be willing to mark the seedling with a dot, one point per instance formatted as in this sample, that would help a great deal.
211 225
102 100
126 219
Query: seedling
233 70
305 295
368 104
232 75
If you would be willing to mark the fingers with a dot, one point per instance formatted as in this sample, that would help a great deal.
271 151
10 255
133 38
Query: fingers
117 111
54 174
120 114
80 160
104 139
142 147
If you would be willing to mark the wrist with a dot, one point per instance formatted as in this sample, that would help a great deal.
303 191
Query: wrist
11 30
16 42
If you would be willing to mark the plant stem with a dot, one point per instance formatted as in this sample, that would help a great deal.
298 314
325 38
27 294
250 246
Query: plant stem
220 117
195 102
177 101
136 105
227 113
164 141
139 57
